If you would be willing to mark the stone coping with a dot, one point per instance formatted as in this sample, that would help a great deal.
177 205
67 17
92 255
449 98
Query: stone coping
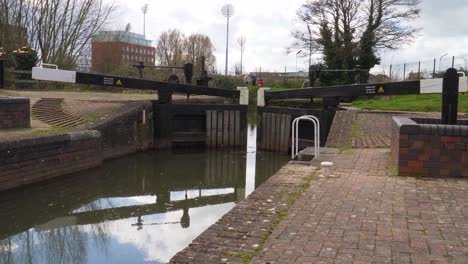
9 143
14 100
414 126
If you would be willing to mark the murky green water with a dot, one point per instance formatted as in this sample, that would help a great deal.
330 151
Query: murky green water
138 209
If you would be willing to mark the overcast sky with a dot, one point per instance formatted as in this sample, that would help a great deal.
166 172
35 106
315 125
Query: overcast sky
267 24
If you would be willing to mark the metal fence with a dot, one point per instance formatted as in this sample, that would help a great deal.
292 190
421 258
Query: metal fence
424 69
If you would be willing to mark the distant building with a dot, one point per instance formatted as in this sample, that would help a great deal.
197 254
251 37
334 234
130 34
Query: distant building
111 49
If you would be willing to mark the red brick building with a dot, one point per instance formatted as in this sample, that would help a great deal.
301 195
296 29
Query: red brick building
111 49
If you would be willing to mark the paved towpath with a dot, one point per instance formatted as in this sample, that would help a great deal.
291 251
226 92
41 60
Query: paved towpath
365 214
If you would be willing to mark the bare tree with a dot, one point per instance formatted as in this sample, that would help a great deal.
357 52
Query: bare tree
15 20
58 29
62 28
170 50
241 41
198 47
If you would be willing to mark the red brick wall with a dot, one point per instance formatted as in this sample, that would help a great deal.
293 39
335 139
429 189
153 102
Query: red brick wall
14 113
29 161
26 161
429 150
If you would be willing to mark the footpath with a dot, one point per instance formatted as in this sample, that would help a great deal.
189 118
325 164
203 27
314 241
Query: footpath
362 213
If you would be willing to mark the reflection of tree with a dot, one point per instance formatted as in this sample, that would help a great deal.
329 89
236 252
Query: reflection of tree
62 245
6 251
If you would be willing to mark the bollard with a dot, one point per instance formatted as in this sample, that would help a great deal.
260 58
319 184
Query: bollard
326 165
450 89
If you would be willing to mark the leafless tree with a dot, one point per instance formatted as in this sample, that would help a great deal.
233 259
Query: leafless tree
174 49
170 50
62 28
198 47
58 29
15 20
241 41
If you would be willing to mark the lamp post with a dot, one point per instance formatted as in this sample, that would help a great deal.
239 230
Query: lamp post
296 60
227 11
440 59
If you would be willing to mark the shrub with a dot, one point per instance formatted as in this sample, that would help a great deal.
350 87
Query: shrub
25 58
227 82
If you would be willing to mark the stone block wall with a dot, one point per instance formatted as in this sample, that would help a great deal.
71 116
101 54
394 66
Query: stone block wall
28 161
14 113
424 147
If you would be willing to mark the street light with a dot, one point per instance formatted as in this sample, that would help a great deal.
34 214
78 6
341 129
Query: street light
296 60
440 59
227 11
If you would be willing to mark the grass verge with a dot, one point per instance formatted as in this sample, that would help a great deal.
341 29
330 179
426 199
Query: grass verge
419 103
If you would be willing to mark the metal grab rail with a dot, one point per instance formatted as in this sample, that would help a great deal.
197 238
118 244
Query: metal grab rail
295 135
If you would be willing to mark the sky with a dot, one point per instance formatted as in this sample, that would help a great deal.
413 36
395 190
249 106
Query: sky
267 26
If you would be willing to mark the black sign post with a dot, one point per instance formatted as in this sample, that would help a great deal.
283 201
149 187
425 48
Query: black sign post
450 97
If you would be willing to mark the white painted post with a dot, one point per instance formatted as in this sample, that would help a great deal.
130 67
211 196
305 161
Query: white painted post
244 95
326 165
261 96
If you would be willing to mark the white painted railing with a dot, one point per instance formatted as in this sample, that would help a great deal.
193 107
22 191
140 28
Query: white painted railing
295 135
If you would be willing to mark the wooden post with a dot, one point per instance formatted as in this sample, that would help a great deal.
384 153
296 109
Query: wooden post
2 74
433 71
450 89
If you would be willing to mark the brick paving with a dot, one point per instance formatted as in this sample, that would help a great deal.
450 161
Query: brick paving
243 230
364 214
367 129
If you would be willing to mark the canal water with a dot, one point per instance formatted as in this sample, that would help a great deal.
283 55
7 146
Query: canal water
138 209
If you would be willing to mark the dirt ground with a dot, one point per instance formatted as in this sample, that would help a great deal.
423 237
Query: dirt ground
86 104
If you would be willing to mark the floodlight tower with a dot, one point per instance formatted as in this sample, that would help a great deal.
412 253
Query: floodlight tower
144 10
227 11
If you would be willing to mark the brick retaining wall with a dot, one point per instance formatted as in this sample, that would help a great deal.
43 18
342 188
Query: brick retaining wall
424 147
14 113
25 161
28 161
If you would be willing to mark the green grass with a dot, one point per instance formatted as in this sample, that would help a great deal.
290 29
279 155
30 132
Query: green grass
419 103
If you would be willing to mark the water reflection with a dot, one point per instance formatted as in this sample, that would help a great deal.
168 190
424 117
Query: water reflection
138 209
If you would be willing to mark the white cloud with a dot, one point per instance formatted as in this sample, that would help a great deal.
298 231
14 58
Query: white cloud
267 25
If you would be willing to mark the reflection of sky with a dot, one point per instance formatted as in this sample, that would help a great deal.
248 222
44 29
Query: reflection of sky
113 202
115 241
192 194
251 160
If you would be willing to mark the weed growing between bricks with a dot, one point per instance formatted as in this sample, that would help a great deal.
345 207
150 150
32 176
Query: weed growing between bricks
291 197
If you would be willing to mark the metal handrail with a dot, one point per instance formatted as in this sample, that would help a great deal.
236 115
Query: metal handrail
295 135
